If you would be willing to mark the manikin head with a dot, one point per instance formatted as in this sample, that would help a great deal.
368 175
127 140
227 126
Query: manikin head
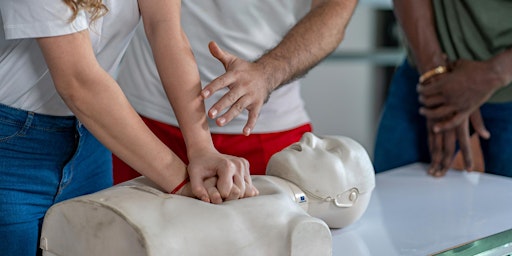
334 172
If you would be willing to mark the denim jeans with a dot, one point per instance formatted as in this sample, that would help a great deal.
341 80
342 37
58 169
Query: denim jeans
402 136
43 160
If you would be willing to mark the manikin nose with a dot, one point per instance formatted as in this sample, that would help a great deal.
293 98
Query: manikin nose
309 139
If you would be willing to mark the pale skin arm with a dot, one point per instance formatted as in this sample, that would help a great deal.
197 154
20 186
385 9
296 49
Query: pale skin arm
251 83
179 75
98 102
417 20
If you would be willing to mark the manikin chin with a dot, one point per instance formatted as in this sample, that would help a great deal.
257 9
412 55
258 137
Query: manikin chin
310 186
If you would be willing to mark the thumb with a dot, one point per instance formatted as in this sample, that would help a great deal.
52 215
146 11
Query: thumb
198 188
224 57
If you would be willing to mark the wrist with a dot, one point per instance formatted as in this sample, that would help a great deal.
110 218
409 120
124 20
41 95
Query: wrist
180 187
200 150
431 62
427 75
198 142
274 72
498 72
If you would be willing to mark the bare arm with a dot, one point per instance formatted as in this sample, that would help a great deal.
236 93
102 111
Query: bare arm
309 41
305 45
179 75
417 21
98 102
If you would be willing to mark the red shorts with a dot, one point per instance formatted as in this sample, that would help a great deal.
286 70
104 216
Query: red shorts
256 148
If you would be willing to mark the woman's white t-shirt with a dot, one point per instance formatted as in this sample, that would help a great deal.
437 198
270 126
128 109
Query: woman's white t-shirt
245 28
25 81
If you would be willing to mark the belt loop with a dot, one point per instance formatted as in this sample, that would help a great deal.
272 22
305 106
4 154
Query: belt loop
28 122
79 127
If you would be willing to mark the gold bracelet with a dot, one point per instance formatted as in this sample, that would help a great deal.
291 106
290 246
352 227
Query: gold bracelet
433 72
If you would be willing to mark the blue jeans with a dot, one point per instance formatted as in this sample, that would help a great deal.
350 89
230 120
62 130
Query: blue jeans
402 136
43 160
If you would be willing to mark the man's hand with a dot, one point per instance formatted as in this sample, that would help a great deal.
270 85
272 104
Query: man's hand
442 144
442 148
248 89
232 176
455 95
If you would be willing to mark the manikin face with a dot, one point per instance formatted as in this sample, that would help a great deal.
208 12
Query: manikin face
334 172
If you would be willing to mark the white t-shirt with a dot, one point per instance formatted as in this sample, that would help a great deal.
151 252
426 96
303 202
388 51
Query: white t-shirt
25 81
245 28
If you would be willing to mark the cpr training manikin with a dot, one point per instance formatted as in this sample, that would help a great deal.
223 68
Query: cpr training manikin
311 186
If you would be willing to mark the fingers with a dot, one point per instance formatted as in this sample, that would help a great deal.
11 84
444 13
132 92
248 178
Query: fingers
448 153
478 124
212 191
442 151
199 189
224 80
432 101
441 156
214 195
237 100
441 112
442 146
218 83
225 180
448 124
251 121
235 193
239 183
465 146
236 103
428 90
250 189
436 148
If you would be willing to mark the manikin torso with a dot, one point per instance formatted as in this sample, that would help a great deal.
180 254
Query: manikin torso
135 218
287 218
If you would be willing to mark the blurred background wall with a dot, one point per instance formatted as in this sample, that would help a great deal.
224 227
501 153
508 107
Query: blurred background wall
344 94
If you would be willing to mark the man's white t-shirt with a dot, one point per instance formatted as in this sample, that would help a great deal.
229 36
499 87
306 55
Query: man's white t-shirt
245 28
25 81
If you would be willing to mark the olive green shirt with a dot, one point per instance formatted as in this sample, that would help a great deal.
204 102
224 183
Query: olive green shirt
475 30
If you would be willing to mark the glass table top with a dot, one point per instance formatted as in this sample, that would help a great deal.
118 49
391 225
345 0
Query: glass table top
499 244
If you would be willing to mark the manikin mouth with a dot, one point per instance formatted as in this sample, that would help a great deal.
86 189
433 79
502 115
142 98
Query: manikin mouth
296 147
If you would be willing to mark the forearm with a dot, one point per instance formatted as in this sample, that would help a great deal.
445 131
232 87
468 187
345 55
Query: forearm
417 21
308 42
98 102
180 77
107 114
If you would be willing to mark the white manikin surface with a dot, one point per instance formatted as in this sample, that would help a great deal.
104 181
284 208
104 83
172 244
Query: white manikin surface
314 184
135 218
334 172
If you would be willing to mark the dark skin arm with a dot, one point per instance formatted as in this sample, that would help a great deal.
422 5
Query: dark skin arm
470 84
454 97
417 21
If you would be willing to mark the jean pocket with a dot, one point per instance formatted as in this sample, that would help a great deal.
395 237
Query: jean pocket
10 129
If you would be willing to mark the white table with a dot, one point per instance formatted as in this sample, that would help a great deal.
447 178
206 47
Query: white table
411 213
